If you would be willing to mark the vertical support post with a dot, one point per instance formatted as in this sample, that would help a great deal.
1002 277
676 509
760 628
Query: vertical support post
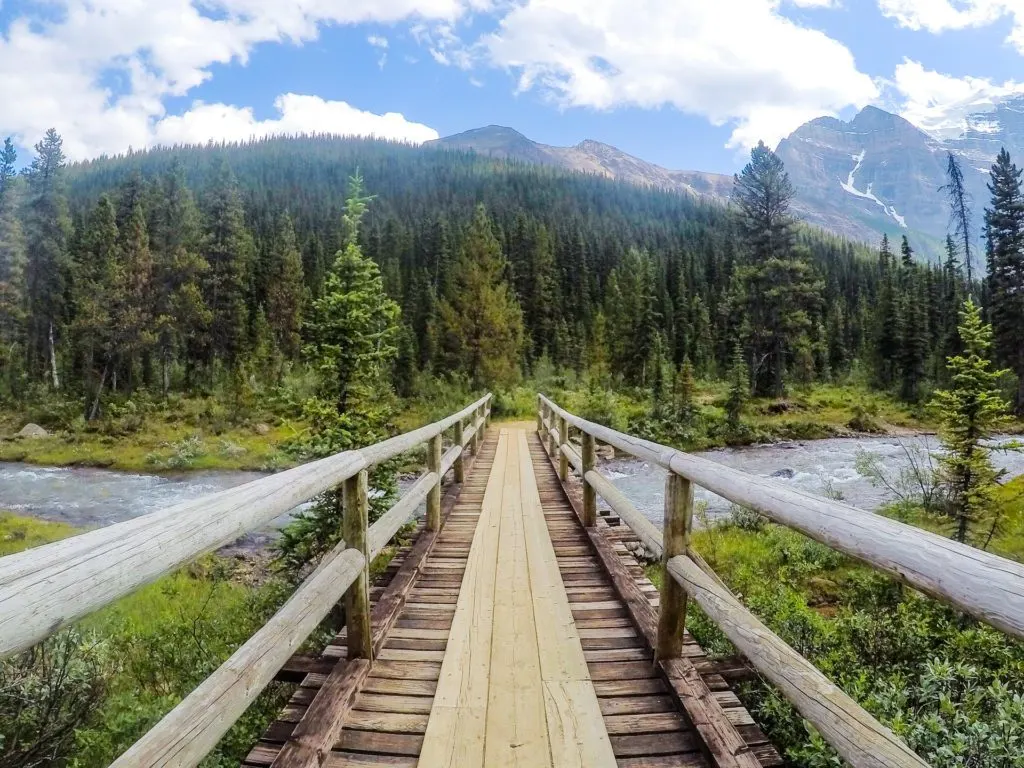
540 415
487 413
563 439
460 464
357 597
434 497
552 446
676 537
589 494
476 431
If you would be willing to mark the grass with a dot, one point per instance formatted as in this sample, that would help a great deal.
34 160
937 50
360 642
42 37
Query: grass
19 533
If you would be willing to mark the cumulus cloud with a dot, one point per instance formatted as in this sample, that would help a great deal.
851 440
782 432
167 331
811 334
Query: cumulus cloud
940 103
736 62
941 15
58 68
297 113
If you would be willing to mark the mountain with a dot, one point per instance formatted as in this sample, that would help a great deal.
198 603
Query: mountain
588 156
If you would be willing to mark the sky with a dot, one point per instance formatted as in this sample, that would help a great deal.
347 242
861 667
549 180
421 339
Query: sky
687 84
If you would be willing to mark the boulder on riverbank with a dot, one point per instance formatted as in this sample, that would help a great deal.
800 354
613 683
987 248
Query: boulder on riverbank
33 432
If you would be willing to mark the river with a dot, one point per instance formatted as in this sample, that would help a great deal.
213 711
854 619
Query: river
92 498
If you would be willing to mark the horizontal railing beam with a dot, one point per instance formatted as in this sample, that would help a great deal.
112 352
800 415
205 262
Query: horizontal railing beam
988 587
859 738
49 587
189 731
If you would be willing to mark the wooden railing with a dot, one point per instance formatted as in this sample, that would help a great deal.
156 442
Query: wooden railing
988 587
48 587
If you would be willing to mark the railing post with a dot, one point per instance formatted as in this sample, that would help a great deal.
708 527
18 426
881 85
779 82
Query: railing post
540 415
460 464
563 439
589 494
672 614
357 597
475 442
434 497
552 445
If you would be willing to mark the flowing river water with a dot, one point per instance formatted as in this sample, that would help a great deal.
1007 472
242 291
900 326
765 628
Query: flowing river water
91 498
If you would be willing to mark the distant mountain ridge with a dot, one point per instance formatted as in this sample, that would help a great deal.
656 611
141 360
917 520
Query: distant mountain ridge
588 156
874 174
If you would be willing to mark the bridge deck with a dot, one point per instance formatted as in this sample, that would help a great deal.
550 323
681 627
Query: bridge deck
503 640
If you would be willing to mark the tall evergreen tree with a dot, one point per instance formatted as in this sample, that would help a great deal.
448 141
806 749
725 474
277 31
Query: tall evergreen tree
228 249
959 207
1004 234
739 388
12 265
480 320
181 318
906 253
46 230
777 290
353 326
285 289
972 411
887 323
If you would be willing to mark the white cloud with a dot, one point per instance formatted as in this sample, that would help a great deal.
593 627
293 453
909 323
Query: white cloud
940 103
940 15
297 113
737 62
378 41
54 67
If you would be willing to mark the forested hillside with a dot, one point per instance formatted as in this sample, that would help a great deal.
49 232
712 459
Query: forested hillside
206 260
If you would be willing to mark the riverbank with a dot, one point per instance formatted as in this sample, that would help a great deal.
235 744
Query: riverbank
951 687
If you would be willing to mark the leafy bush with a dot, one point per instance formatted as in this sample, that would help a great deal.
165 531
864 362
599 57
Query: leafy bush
46 694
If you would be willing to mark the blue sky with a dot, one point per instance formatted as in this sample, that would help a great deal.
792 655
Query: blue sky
683 83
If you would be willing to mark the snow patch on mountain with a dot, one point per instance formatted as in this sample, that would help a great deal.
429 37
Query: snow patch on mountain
851 187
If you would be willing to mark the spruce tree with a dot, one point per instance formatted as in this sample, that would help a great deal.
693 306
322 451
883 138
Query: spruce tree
228 249
907 253
776 290
971 412
887 321
1004 233
46 230
685 394
739 388
959 207
133 296
480 320
181 317
914 339
285 289
12 265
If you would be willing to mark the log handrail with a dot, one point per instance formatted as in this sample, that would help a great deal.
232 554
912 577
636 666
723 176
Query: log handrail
955 573
185 735
49 587
988 587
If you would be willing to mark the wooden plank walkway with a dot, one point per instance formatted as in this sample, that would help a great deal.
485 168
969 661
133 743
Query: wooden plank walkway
503 640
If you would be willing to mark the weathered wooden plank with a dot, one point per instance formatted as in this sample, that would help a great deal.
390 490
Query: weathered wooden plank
516 732
456 730
188 732
49 587
988 587
859 738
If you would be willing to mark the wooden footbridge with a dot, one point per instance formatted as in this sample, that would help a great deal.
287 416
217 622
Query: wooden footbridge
516 628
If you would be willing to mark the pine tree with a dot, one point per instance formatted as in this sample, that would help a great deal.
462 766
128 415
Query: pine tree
776 290
46 231
285 289
354 324
95 281
685 394
914 340
480 320
739 388
181 318
887 323
228 249
971 412
633 319
959 207
12 264
1004 233
132 305
907 253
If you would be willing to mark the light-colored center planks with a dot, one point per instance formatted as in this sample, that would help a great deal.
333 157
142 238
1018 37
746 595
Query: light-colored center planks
514 687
